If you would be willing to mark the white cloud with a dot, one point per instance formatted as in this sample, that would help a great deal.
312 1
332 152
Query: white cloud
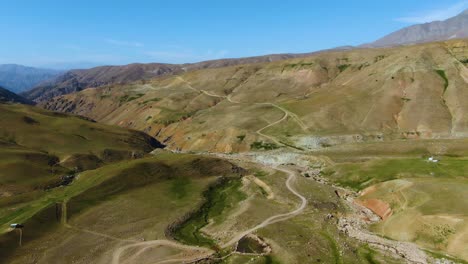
124 43
435 15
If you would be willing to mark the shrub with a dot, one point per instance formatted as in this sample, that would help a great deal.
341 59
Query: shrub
442 75
241 138
343 67
263 145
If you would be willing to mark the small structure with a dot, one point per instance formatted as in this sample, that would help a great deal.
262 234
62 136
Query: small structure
16 225
19 228
431 159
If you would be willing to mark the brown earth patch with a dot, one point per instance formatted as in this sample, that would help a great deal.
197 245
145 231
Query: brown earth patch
377 206
368 190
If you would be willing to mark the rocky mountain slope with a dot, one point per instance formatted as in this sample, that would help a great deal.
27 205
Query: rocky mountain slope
8 96
312 102
18 78
452 28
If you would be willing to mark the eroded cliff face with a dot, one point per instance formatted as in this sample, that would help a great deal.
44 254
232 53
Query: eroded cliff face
376 94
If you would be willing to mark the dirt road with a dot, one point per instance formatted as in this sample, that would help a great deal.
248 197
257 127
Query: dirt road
278 217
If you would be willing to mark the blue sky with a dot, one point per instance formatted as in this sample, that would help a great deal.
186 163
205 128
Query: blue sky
65 33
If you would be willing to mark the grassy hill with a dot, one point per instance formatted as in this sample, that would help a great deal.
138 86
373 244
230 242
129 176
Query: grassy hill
39 147
77 80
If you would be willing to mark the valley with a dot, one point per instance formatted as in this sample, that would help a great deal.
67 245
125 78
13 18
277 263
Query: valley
342 156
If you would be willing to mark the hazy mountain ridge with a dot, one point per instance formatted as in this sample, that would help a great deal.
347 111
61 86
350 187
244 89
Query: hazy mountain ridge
452 28
77 80
18 78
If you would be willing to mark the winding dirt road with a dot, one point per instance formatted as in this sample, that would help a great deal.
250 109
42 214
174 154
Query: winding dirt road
275 218
270 125
229 99
197 253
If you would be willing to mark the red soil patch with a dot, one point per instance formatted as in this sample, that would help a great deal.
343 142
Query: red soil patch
377 206
368 190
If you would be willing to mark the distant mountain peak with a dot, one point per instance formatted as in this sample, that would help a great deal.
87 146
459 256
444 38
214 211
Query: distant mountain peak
454 27
18 78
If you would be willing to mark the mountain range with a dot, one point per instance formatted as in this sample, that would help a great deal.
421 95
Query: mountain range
408 91
77 80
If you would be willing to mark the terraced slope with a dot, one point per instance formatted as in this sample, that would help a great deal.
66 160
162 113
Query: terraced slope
306 103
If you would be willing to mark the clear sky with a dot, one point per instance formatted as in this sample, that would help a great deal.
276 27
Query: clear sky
66 33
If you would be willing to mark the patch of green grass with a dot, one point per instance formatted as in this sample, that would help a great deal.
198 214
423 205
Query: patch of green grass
379 58
263 145
155 99
260 173
333 247
218 199
300 64
167 116
343 67
363 174
442 75
128 98
179 187
271 260
368 254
